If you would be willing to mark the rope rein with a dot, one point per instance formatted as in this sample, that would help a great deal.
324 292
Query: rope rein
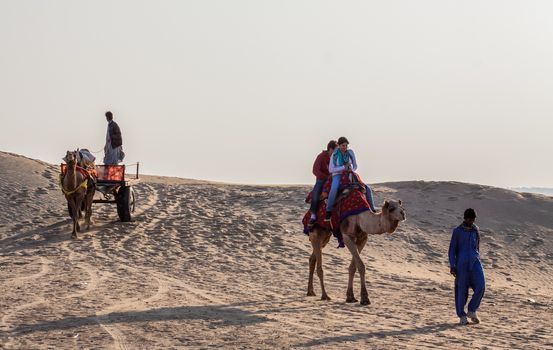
83 184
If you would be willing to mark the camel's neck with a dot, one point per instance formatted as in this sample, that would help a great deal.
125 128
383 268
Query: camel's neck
373 223
386 225
70 180
376 224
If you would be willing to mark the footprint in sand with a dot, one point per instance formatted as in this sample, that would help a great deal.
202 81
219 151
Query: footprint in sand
41 190
47 174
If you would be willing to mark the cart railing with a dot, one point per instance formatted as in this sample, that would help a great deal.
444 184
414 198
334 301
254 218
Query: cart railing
115 185
111 173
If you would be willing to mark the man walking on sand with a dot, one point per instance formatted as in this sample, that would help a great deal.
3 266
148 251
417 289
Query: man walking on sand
465 265
113 150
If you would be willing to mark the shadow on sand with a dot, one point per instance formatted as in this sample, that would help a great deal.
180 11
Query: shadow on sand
436 328
218 315
51 235
23 240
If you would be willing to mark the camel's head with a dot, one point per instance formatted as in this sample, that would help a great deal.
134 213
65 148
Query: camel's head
71 157
394 211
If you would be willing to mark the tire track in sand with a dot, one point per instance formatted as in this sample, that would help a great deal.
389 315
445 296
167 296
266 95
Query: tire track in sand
45 268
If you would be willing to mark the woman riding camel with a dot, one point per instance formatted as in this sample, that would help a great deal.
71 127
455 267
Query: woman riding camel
343 159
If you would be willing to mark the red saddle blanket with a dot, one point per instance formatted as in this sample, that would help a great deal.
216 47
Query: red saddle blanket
346 182
350 203
349 180
86 173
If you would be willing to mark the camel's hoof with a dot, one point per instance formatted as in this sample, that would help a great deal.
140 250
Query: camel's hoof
325 297
73 235
351 299
311 293
365 301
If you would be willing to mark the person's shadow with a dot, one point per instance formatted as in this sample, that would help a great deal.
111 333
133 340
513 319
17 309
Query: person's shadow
435 328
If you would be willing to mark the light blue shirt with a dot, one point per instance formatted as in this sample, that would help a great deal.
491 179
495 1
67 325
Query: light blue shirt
336 169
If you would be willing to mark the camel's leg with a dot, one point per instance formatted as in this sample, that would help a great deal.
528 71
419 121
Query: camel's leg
350 296
350 244
312 262
74 216
314 239
79 211
88 212
360 245
318 252
78 206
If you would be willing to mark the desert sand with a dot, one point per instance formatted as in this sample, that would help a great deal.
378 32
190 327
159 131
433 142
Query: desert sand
207 265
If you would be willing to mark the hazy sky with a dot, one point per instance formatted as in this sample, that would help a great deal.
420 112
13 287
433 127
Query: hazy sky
251 91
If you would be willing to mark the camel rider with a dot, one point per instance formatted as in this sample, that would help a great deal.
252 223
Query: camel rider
320 170
113 150
465 265
343 159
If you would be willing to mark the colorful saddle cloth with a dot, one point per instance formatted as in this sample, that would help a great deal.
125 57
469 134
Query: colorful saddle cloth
351 200
88 173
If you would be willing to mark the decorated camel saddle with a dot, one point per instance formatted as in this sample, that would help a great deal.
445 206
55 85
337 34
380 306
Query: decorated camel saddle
351 200
85 165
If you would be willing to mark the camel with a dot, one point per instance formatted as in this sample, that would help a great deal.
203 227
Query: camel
76 189
319 238
355 230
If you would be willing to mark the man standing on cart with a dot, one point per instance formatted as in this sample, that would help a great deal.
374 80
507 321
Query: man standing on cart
113 150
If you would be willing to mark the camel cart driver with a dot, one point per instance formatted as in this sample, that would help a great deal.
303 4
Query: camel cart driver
113 150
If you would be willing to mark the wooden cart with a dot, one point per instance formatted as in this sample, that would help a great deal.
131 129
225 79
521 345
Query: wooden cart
116 187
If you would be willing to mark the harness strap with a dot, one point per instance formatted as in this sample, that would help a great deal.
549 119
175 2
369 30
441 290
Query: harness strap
83 184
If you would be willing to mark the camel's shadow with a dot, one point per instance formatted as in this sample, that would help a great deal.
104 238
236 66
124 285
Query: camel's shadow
22 241
218 315
50 235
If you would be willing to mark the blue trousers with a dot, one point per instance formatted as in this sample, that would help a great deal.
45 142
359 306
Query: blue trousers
469 277
334 191
316 195
369 195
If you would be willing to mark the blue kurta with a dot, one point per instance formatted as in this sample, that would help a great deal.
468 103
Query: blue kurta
464 257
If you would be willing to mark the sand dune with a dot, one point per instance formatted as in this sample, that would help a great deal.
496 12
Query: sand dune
208 265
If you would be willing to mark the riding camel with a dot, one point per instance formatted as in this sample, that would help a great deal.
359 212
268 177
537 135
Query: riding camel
355 230
77 189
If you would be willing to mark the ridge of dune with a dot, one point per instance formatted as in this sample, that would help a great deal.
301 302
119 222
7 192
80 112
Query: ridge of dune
208 264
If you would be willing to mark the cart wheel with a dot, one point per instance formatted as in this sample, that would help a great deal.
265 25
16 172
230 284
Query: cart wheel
133 200
125 203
